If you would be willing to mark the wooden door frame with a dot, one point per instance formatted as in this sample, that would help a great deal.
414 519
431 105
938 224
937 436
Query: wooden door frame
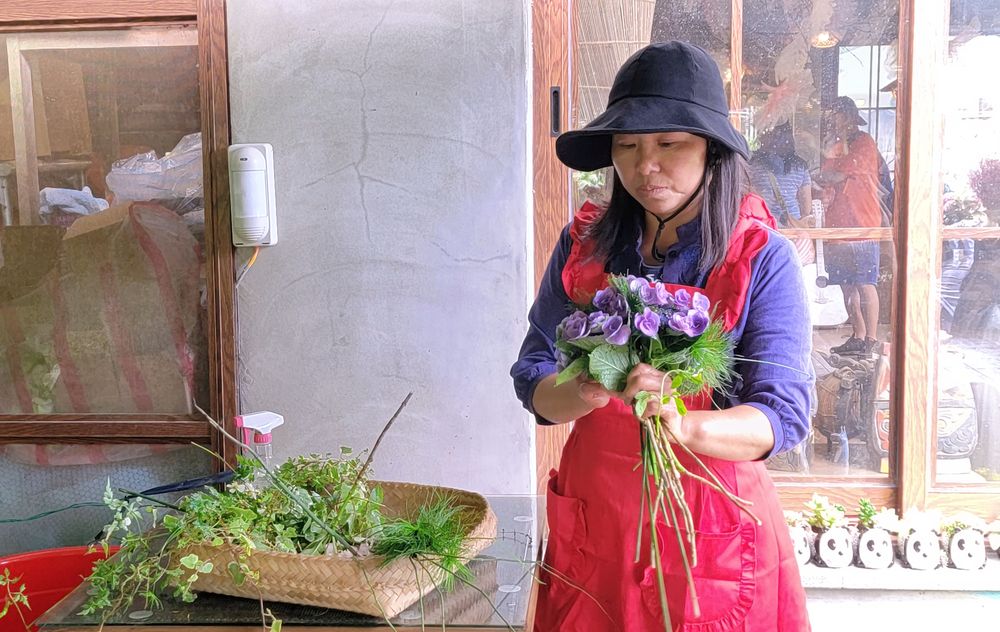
25 16
551 29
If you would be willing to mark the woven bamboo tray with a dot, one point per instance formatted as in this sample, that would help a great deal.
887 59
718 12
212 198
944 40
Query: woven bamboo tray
356 585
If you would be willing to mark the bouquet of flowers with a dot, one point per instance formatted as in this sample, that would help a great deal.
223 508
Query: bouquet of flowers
636 320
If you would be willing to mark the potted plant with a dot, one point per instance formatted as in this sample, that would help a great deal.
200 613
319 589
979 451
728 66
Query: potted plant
963 537
918 540
803 538
876 527
835 539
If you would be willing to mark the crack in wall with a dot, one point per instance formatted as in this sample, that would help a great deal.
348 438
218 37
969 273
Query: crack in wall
468 259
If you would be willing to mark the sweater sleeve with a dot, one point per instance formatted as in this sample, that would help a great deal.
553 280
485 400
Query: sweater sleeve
774 351
537 356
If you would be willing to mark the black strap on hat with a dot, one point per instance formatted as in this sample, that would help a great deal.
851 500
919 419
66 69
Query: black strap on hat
662 256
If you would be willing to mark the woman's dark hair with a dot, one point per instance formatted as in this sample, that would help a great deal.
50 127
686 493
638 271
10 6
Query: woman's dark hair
780 141
726 182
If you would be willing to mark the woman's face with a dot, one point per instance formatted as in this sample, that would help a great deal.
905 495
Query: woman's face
660 170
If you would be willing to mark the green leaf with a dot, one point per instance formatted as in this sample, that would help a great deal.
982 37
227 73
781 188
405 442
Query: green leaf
681 408
206 567
190 561
236 572
587 344
576 367
276 625
640 402
610 366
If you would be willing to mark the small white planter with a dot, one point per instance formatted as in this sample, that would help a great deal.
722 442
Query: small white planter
803 543
835 547
967 549
875 549
920 549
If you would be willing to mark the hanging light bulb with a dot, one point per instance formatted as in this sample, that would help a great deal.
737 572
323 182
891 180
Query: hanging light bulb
824 39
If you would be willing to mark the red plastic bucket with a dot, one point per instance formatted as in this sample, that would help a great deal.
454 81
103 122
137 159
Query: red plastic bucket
48 576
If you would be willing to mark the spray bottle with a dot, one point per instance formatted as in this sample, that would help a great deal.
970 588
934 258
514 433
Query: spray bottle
257 429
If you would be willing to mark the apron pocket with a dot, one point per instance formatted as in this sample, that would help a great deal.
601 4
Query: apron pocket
565 571
724 578
567 530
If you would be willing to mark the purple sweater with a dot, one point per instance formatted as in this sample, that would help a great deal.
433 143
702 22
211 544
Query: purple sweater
774 327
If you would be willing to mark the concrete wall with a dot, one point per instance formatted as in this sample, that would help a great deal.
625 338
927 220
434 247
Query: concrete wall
400 134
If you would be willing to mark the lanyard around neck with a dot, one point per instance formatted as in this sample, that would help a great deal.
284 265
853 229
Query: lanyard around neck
662 256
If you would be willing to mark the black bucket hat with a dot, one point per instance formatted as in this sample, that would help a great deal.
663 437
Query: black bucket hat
846 105
664 87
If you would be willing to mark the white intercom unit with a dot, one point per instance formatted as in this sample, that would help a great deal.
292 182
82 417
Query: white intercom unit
251 194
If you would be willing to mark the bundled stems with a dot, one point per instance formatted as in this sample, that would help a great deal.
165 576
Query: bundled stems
662 468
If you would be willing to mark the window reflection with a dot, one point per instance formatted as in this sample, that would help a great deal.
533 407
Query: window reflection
102 277
818 95
968 424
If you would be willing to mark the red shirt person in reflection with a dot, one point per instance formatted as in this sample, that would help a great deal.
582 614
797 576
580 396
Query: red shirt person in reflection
850 176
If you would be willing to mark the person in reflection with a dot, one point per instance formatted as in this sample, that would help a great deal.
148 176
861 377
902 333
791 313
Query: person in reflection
781 177
850 173
680 212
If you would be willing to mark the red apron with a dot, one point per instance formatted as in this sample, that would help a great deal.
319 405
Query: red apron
746 577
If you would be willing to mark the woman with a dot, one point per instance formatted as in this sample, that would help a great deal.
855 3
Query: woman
782 179
780 176
679 213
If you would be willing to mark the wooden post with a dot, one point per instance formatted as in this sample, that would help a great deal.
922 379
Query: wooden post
736 63
923 31
23 116
214 94
550 35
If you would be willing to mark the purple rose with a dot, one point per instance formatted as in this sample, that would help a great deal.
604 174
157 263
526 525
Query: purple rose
574 326
699 321
649 295
603 298
682 298
678 322
616 330
700 302
636 284
692 323
663 296
618 306
595 320
648 322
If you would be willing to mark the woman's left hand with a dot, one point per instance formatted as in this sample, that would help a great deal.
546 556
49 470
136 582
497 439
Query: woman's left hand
645 378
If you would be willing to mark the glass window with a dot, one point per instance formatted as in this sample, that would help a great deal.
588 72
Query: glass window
102 275
817 86
968 398
816 100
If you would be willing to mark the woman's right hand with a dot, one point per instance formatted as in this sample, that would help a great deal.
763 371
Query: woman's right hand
592 393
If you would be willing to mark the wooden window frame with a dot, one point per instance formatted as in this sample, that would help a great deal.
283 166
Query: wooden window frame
209 16
917 238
